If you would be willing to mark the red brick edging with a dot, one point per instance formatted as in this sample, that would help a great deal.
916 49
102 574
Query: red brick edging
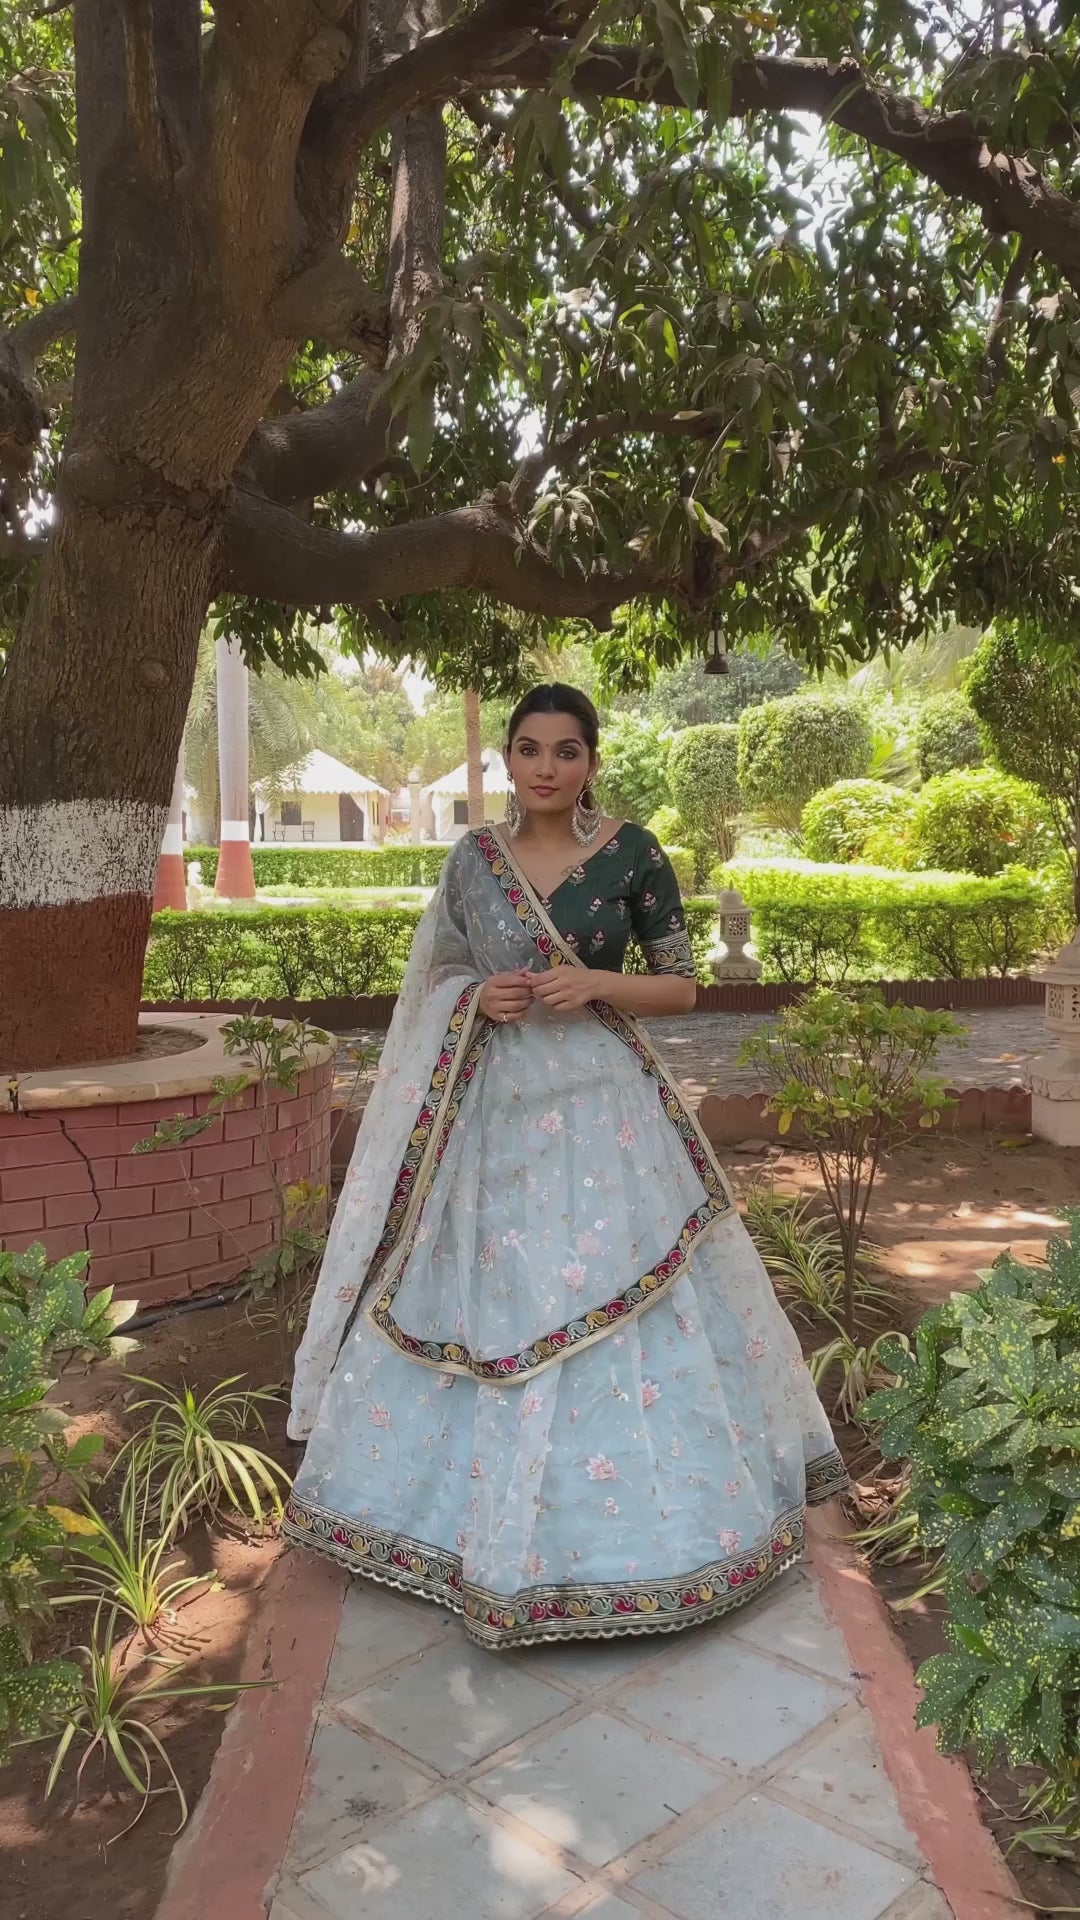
935 1793
223 1866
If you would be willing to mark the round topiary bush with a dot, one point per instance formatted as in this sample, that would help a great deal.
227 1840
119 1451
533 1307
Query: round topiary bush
978 820
790 749
704 774
947 736
838 821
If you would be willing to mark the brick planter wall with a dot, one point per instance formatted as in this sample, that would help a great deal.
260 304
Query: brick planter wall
160 1226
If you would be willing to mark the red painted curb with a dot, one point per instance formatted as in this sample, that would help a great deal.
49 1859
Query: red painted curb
236 1842
936 1795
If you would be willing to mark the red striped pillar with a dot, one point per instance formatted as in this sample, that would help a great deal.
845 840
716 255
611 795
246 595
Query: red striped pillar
235 874
170 887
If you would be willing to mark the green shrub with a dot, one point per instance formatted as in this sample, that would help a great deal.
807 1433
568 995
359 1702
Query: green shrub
668 826
394 866
790 749
987 1409
317 953
277 953
947 736
979 821
684 862
633 779
44 1321
704 772
838 821
821 925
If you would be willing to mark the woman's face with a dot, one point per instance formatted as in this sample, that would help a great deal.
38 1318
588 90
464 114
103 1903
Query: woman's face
550 763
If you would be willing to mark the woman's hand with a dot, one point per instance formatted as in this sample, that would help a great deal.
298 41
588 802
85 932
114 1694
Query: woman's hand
568 989
507 996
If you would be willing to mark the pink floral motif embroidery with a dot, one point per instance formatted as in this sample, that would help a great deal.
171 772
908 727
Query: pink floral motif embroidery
588 1243
625 1135
732 1487
410 1093
729 1539
551 1124
487 1253
757 1347
378 1416
574 1275
650 1393
536 1565
531 1403
601 1468
346 1293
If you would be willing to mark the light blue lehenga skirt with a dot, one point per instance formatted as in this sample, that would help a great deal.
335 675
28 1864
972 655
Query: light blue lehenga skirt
557 1392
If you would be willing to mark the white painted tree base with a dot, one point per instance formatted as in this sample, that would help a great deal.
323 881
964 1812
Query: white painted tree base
1054 1079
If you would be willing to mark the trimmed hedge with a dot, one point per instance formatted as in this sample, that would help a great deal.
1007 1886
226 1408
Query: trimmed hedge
829 924
310 953
398 865
272 953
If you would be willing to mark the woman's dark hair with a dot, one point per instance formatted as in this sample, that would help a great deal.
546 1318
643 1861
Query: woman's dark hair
558 699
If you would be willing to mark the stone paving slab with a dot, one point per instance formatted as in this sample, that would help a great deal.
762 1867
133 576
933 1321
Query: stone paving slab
731 1770
703 1051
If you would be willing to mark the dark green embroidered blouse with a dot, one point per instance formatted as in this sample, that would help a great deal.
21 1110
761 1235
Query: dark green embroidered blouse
626 889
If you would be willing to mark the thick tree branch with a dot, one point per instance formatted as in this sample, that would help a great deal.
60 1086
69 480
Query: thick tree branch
319 451
489 37
947 149
272 554
330 301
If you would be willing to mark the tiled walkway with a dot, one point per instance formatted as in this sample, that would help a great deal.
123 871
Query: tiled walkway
732 1771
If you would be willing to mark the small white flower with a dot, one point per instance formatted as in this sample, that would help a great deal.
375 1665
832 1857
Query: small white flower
574 1275
611 1508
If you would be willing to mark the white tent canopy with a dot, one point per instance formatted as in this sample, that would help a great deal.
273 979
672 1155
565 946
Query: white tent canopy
455 785
320 773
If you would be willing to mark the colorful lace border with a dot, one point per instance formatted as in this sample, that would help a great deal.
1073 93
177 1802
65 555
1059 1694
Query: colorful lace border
567 1612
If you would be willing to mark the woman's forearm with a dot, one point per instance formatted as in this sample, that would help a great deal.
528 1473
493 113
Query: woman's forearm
650 994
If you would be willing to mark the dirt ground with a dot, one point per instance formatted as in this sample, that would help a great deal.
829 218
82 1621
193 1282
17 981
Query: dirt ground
944 1209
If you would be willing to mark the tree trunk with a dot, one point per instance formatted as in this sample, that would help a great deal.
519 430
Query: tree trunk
170 889
474 760
235 874
92 709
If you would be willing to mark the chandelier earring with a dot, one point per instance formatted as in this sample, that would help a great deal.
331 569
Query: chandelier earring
588 819
515 815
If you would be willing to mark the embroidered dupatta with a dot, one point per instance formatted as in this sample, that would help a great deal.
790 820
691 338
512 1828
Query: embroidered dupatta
485 918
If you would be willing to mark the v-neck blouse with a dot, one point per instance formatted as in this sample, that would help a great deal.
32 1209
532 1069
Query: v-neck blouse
626 889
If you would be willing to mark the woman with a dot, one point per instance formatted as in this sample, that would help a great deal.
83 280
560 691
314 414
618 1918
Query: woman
545 1377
